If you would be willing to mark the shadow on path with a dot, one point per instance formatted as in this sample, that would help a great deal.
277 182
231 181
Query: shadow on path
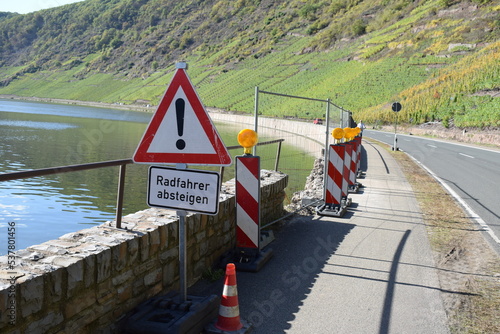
363 165
364 157
270 298
391 284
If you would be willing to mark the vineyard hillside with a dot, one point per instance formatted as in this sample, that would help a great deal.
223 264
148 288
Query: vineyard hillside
439 58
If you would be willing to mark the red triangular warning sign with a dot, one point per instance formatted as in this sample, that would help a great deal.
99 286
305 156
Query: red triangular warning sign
181 131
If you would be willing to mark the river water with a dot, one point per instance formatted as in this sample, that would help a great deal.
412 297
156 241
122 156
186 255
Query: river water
41 135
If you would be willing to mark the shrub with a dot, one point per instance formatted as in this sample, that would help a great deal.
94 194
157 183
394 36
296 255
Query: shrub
359 27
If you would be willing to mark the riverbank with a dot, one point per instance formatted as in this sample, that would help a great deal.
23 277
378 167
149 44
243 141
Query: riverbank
121 106
485 137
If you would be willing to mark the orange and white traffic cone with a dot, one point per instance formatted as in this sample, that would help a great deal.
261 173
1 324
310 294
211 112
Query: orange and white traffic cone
229 311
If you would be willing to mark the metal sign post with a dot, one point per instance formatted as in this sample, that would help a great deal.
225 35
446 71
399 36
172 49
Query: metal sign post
184 190
396 107
182 254
181 133
165 141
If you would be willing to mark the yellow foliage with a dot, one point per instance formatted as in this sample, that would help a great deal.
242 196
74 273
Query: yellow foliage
452 23
459 78
432 24
437 33
437 47
464 77
393 45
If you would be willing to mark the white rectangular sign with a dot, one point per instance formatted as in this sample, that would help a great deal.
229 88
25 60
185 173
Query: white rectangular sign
184 189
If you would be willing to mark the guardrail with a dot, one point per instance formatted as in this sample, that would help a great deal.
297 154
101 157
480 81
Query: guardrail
121 175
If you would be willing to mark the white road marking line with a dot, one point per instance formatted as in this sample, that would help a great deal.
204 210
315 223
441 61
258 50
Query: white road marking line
447 142
466 155
467 208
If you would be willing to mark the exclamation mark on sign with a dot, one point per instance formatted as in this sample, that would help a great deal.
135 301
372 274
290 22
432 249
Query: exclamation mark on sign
179 109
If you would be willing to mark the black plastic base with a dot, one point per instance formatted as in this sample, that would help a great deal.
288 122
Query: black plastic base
250 260
354 188
169 314
331 210
346 201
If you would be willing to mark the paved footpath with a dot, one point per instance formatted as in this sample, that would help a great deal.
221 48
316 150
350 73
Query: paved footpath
371 271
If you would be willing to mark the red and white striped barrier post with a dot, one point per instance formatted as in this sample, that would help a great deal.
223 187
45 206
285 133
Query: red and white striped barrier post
336 184
354 163
248 202
359 172
248 256
347 165
335 179
352 146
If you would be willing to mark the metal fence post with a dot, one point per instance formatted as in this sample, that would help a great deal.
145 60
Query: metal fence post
256 115
278 153
119 200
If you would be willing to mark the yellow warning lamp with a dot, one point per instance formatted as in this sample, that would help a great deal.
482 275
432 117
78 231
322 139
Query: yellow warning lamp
354 133
337 134
248 139
348 134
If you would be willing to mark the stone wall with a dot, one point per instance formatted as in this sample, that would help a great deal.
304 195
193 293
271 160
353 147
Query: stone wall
85 281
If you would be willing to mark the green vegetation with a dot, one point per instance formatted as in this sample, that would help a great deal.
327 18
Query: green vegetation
440 59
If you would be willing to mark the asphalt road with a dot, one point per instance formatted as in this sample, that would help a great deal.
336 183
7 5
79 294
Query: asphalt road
472 174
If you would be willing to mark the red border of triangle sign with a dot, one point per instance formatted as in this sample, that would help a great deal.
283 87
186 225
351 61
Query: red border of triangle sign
181 130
